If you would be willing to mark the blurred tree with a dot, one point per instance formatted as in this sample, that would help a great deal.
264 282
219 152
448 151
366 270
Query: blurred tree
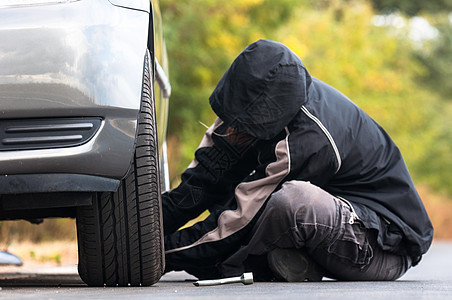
375 68
436 56
411 7
203 37
339 45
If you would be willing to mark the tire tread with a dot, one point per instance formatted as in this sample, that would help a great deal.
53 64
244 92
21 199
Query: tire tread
120 236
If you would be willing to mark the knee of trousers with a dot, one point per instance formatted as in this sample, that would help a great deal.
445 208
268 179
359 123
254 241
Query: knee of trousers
303 202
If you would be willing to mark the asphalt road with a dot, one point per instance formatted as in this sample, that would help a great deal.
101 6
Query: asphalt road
430 280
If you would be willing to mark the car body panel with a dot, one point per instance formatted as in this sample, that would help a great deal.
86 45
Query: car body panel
162 91
74 59
140 5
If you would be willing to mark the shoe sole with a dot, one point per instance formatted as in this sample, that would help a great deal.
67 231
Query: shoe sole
292 266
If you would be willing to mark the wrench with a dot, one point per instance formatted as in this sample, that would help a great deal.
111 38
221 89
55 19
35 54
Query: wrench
246 278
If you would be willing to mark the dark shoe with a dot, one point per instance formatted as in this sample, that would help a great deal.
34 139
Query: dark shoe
292 265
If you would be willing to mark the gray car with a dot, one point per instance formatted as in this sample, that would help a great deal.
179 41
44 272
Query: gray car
82 89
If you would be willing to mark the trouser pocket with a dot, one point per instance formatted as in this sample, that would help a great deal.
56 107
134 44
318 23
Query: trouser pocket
351 243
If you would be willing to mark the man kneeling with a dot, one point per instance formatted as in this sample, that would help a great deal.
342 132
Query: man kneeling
299 181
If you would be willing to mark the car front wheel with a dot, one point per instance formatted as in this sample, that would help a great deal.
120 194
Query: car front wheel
120 238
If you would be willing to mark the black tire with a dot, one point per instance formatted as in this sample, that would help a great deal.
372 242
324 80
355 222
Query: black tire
120 236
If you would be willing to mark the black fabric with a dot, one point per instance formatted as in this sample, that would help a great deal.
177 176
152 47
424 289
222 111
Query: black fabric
262 90
372 173
210 184
332 143
206 256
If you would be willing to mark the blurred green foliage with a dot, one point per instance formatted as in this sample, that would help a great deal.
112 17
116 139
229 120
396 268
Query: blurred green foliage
436 56
411 7
402 86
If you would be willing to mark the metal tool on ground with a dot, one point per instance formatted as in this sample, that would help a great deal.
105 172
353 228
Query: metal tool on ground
246 278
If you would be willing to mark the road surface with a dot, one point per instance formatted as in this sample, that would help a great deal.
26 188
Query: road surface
430 280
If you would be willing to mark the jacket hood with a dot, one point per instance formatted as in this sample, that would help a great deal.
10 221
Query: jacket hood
262 90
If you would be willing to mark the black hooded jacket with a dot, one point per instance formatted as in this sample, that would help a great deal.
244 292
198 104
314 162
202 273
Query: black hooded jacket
305 130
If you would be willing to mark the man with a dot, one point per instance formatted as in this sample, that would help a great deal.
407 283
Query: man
300 183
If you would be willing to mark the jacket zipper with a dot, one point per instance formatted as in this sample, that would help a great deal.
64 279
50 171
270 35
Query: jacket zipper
353 214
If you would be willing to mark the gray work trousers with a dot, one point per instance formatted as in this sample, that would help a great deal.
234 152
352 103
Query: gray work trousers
303 216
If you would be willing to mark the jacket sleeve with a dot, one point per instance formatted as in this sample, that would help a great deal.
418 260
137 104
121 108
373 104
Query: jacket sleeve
209 181
212 240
